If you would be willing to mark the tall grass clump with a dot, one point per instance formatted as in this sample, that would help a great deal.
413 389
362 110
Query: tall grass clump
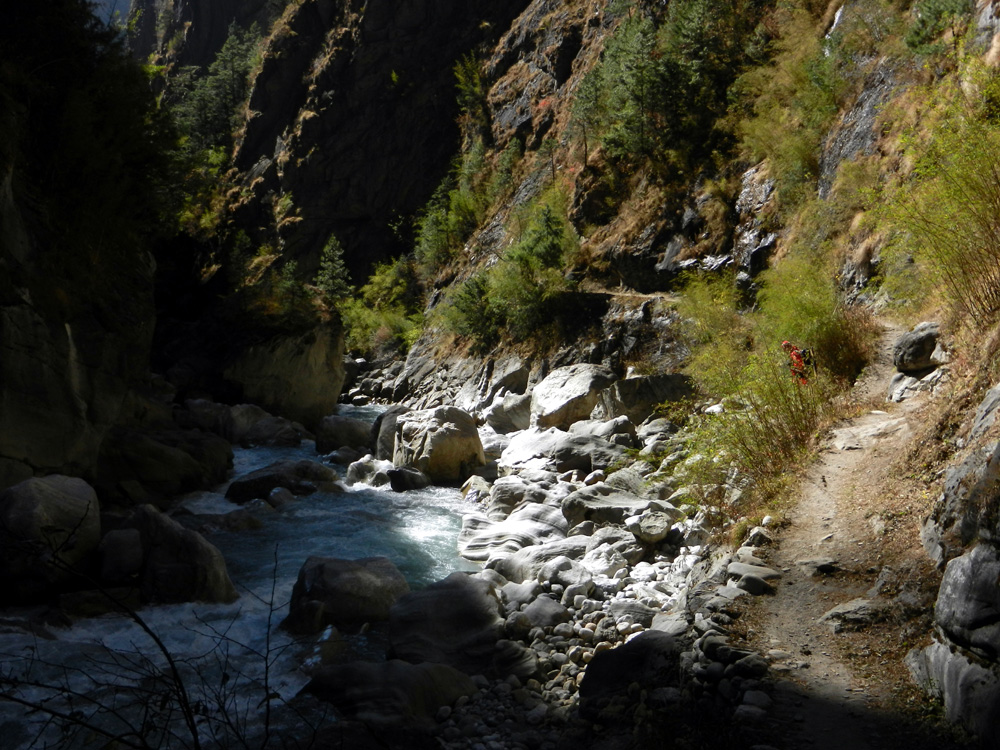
947 216
769 419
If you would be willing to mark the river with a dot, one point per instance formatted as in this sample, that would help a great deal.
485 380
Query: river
229 656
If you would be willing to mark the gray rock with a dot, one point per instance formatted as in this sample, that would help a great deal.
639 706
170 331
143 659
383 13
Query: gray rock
457 621
518 594
604 560
443 443
343 593
529 525
739 569
914 351
986 413
568 394
49 526
510 413
335 432
603 504
636 398
970 691
968 603
755 585
854 615
299 477
638 612
404 479
650 659
524 564
651 527
565 572
618 430
383 432
545 612
557 451
179 565
392 692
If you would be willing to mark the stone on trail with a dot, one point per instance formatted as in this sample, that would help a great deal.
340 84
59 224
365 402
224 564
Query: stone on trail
854 615
818 566
918 349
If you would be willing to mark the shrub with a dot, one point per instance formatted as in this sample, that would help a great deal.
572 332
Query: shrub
948 216
385 316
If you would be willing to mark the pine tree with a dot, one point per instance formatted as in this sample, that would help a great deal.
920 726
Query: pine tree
332 277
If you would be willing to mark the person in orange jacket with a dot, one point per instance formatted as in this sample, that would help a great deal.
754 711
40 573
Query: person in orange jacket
796 361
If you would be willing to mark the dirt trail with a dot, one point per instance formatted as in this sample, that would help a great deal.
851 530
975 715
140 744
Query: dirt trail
819 702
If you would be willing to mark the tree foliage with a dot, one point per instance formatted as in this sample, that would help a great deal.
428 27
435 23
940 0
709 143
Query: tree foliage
208 103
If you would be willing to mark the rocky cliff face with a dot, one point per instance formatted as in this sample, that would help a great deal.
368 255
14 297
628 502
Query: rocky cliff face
352 120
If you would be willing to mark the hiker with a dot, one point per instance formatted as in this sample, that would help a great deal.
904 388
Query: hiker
797 361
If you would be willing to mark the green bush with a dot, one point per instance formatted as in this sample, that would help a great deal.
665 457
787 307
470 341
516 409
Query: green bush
932 18
385 316
520 295
948 216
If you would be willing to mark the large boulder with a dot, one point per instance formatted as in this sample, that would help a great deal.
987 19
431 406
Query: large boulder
343 593
529 525
604 504
456 621
526 564
638 397
651 659
558 451
251 425
968 603
48 527
383 432
443 443
138 466
568 394
299 477
335 432
917 350
618 430
509 413
969 689
179 565
391 692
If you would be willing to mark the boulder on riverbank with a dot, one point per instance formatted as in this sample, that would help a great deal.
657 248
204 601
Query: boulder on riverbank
48 527
343 593
391 692
335 432
179 565
299 477
457 621
568 394
442 443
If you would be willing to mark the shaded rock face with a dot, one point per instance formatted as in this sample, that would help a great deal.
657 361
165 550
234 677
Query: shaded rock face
343 593
299 376
391 692
179 565
48 526
354 115
194 29
457 621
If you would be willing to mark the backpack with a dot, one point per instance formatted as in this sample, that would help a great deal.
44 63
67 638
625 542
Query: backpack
808 358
